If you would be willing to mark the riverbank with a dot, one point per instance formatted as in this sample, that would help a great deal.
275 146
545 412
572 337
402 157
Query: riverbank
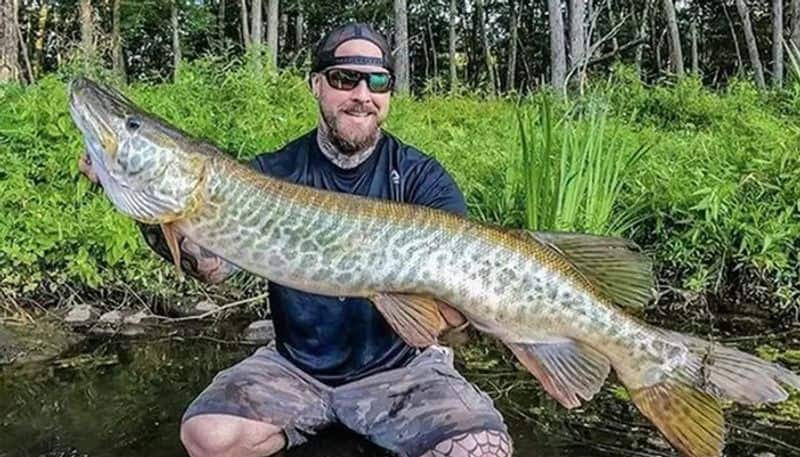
116 394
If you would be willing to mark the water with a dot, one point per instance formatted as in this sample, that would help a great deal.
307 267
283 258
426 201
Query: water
125 398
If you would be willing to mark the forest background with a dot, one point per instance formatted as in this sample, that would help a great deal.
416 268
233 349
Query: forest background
671 123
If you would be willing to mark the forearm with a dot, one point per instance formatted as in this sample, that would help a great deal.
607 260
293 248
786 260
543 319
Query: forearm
196 261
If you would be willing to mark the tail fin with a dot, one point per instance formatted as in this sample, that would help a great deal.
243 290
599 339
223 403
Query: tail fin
690 419
735 375
683 406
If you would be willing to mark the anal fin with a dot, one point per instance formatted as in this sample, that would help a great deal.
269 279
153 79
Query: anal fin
416 318
568 370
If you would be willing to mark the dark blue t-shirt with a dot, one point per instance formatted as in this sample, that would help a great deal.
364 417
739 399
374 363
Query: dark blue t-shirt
339 339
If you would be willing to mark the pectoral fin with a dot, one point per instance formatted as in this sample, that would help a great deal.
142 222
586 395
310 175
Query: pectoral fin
172 238
566 368
416 318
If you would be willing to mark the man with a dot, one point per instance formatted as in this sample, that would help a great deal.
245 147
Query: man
335 359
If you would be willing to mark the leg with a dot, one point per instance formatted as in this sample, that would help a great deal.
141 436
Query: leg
485 443
424 408
255 408
220 435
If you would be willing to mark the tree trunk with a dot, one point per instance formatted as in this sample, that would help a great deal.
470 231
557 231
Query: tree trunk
452 20
272 32
795 25
23 43
612 21
739 64
558 58
245 25
695 58
675 52
659 57
469 41
752 46
38 43
9 41
487 52
283 30
777 43
176 41
256 23
87 31
577 33
117 60
512 45
298 31
426 73
221 24
434 53
401 44
642 33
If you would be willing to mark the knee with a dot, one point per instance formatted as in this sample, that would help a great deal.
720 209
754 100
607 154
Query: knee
483 443
228 436
207 435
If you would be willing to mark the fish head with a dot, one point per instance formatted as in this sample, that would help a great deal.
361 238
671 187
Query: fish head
149 170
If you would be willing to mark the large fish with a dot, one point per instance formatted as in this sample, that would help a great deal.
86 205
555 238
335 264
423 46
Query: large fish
551 298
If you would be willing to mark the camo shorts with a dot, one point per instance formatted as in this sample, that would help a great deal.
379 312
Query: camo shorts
407 410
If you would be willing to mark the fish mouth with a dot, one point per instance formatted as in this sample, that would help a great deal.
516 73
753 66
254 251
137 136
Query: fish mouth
93 109
94 113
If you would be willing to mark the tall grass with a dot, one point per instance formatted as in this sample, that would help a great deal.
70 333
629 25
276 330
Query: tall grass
574 168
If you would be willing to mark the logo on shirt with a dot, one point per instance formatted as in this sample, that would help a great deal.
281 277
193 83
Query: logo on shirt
395 177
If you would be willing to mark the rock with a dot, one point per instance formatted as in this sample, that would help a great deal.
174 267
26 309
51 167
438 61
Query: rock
140 317
259 332
111 317
81 314
35 342
205 306
132 330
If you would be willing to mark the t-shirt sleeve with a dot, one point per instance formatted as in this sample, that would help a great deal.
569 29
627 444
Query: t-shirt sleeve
256 163
431 185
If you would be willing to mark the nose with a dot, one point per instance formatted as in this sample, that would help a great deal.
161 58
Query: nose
361 92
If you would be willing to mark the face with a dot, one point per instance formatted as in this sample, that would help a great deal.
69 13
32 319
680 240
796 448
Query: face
353 117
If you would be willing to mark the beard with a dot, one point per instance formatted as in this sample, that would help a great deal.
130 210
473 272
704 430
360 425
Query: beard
356 139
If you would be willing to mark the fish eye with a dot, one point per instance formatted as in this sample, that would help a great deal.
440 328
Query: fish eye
132 123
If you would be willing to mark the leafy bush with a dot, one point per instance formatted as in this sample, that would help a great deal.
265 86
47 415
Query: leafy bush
715 197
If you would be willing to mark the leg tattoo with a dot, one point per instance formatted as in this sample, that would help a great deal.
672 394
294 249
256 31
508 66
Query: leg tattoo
486 443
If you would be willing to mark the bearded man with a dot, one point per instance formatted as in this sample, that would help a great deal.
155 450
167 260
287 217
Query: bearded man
335 359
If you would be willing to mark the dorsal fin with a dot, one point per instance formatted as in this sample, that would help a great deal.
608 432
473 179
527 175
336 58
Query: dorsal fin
621 274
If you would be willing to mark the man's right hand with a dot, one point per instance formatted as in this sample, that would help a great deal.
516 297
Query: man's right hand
196 261
208 267
85 167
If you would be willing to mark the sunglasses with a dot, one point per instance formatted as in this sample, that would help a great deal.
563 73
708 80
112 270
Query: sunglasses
344 79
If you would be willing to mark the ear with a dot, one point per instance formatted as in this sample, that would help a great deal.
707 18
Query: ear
315 82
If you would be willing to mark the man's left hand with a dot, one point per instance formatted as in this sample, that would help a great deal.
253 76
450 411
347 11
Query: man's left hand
454 332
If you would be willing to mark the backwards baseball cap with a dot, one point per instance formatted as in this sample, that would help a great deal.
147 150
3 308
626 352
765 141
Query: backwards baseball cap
325 57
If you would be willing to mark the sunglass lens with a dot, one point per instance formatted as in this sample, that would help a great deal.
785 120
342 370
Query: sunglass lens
343 79
380 82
